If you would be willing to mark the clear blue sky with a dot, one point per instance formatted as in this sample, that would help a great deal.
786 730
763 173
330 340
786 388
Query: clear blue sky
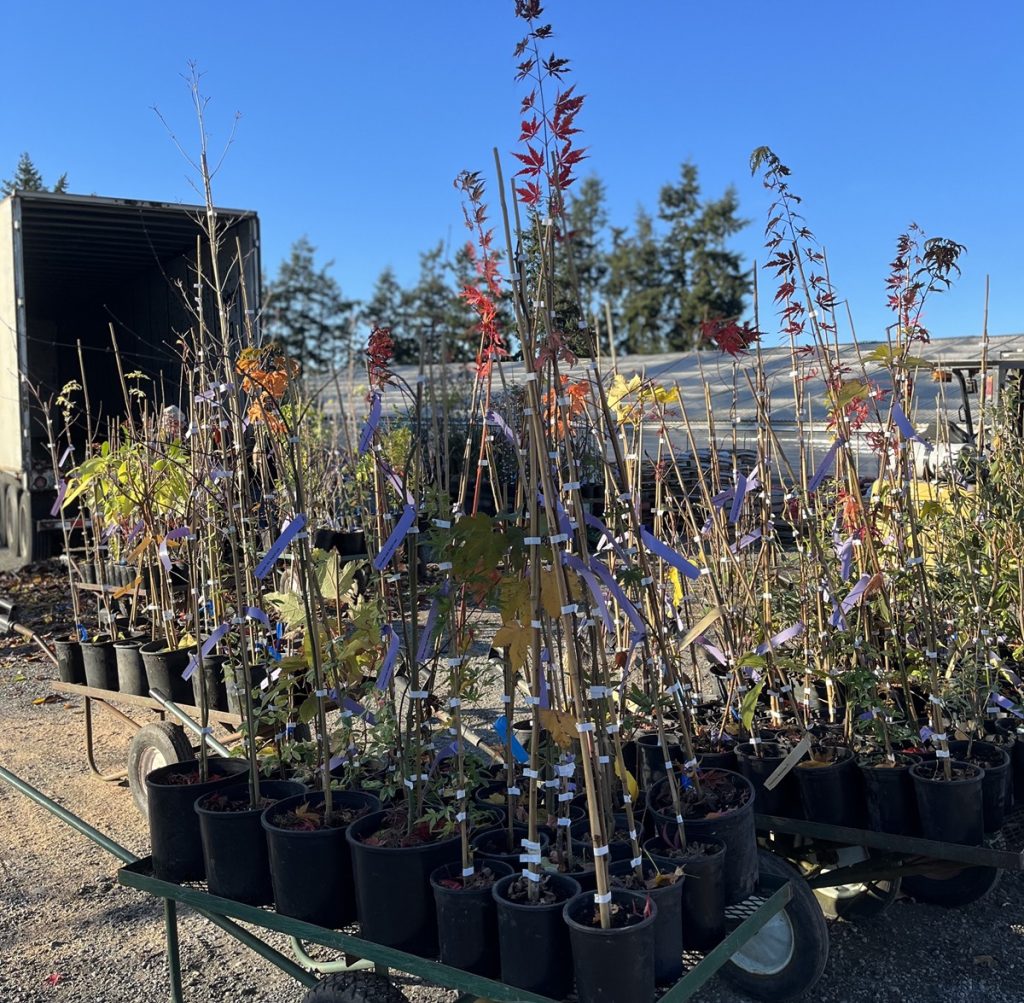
357 116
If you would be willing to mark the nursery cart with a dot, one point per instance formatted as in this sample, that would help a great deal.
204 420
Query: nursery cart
856 873
776 947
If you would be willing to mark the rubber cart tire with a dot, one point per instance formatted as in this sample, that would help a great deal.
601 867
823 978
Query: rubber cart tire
355 987
155 745
13 520
961 888
858 901
786 958
3 515
26 528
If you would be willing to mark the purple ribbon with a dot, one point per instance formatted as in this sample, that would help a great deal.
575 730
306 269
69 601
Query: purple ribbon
564 525
134 532
165 558
62 490
606 535
278 547
64 456
739 496
745 541
999 700
495 419
714 651
208 645
390 657
371 424
825 466
255 613
668 555
781 638
180 533
838 618
356 708
844 551
601 570
545 696
571 561
903 423
423 651
396 482
391 544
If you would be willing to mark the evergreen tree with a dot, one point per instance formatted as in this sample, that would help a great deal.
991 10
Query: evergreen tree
28 179
636 287
305 312
388 306
587 221
703 277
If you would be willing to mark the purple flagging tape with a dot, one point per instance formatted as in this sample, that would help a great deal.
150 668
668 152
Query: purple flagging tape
165 558
722 499
110 531
739 496
564 525
445 752
181 533
668 555
62 490
390 656
926 733
356 708
601 570
899 416
714 651
606 535
255 613
278 547
208 645
518 752
391 544
571 561
855 593
545 695
781 638
134 532
371 424
825 466
845 554
426 638
998 700
745 541
495 419
396 482
64 456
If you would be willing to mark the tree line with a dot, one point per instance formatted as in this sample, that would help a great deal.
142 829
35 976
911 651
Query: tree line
641 288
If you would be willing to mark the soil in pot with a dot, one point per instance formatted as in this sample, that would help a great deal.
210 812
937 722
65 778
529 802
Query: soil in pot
664 884
392 862
950 810
173 824
889 795
615 963
723 810
830 787
996 764
100 663
467 916
310 858
131 673
704 864
575 861
757 765
234 843
164 667
493 843
533 938
619 845
70 667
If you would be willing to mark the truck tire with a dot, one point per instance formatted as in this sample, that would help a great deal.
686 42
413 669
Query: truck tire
13 511
153 746
26 528
3 515
786 958
355 987
958 889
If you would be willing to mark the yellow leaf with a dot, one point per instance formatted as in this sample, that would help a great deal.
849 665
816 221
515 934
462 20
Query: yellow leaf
677 586
629 781
560 726
549 597
702 625
516 639
514 600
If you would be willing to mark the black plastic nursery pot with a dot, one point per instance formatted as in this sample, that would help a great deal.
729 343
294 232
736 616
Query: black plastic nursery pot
831 793
996 764
950 810
100 663
234 685
173 824
164 667
467 918
651 759
785 798
717 760
131 673
392 883
216 695
668 923
350 544
889 798
533 940
311 870
70 667
703 891
492 843
234 843
617 963
735 828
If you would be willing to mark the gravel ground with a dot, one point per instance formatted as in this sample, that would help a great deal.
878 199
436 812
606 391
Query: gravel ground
69 932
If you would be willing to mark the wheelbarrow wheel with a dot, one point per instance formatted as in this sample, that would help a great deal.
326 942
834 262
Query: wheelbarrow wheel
959 888
355 987
155 745
786 958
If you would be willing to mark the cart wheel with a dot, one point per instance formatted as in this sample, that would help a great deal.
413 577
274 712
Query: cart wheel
355 987
860 900
960 888
153 746
786 958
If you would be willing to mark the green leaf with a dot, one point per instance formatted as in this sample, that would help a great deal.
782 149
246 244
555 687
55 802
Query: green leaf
307 709
749 705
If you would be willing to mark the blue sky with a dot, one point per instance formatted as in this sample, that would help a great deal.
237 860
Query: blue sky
357 116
